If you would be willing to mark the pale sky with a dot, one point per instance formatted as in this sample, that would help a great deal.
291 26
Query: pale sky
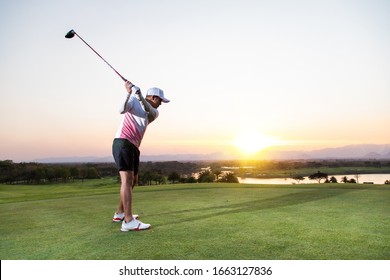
307 74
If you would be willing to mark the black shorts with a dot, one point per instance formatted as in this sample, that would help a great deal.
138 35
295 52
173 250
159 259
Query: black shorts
126 155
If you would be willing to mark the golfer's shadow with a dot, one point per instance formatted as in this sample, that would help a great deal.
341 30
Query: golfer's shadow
301 197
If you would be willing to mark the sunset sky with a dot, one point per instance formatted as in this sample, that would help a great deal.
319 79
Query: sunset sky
291 74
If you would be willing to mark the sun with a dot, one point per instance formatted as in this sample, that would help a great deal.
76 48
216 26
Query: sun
252 142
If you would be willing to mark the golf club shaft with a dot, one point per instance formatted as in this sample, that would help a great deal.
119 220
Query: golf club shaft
124 79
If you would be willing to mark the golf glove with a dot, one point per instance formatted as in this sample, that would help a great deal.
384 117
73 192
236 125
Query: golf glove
135 89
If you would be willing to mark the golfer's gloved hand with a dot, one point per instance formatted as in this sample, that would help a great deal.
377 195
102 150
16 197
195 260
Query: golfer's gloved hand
135 89
128 86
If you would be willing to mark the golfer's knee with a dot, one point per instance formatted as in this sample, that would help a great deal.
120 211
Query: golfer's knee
127 177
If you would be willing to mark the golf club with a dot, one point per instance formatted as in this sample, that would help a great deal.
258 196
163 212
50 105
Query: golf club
71 34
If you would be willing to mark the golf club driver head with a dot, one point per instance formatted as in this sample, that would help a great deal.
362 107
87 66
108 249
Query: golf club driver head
70 34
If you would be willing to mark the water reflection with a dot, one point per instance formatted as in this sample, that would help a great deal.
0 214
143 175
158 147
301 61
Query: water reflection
363 178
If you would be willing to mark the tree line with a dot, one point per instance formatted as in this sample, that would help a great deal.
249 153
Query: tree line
319 176
150 172
179 172
37 173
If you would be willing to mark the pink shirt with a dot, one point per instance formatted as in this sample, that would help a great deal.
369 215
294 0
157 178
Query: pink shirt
134 121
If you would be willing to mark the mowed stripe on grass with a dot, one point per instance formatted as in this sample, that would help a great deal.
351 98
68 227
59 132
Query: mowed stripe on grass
197 221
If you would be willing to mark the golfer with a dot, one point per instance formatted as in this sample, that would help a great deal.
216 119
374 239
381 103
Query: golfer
138 112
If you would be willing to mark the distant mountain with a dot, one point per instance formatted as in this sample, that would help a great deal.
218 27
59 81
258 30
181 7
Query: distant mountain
186 157
365 151
356 151
373 155
167 157
386 156
74 159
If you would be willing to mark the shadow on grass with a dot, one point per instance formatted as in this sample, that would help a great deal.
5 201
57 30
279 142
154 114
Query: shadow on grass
256 205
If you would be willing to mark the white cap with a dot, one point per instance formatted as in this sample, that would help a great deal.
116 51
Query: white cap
157 92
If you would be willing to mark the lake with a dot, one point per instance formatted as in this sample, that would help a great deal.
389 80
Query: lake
375 178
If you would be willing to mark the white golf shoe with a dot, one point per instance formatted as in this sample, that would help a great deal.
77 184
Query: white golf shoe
134 225
120 217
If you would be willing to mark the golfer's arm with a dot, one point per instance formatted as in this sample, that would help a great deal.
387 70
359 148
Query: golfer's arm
146 104
148 108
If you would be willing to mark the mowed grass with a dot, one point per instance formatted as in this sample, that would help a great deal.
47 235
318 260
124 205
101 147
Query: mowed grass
197 221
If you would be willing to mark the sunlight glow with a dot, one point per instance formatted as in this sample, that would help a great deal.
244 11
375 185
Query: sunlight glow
251 142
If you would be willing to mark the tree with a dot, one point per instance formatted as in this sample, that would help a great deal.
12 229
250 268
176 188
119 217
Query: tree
217 174
357 176
65 174
229 177
7 168
191 180
333 179
38 174
318 176
50 173
206 177
160 179
298 178
146 178
92 173
174 176
74 172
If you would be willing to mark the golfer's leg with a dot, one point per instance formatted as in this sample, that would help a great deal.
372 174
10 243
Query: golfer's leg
120 206
126 194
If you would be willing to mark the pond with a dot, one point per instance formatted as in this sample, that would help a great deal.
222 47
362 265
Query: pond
363 178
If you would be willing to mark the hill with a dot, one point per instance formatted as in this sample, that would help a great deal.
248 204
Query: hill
363 151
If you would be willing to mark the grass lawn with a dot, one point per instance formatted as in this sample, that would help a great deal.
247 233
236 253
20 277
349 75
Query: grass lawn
197 221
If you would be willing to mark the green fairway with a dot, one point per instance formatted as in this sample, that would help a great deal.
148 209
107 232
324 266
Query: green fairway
197 221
